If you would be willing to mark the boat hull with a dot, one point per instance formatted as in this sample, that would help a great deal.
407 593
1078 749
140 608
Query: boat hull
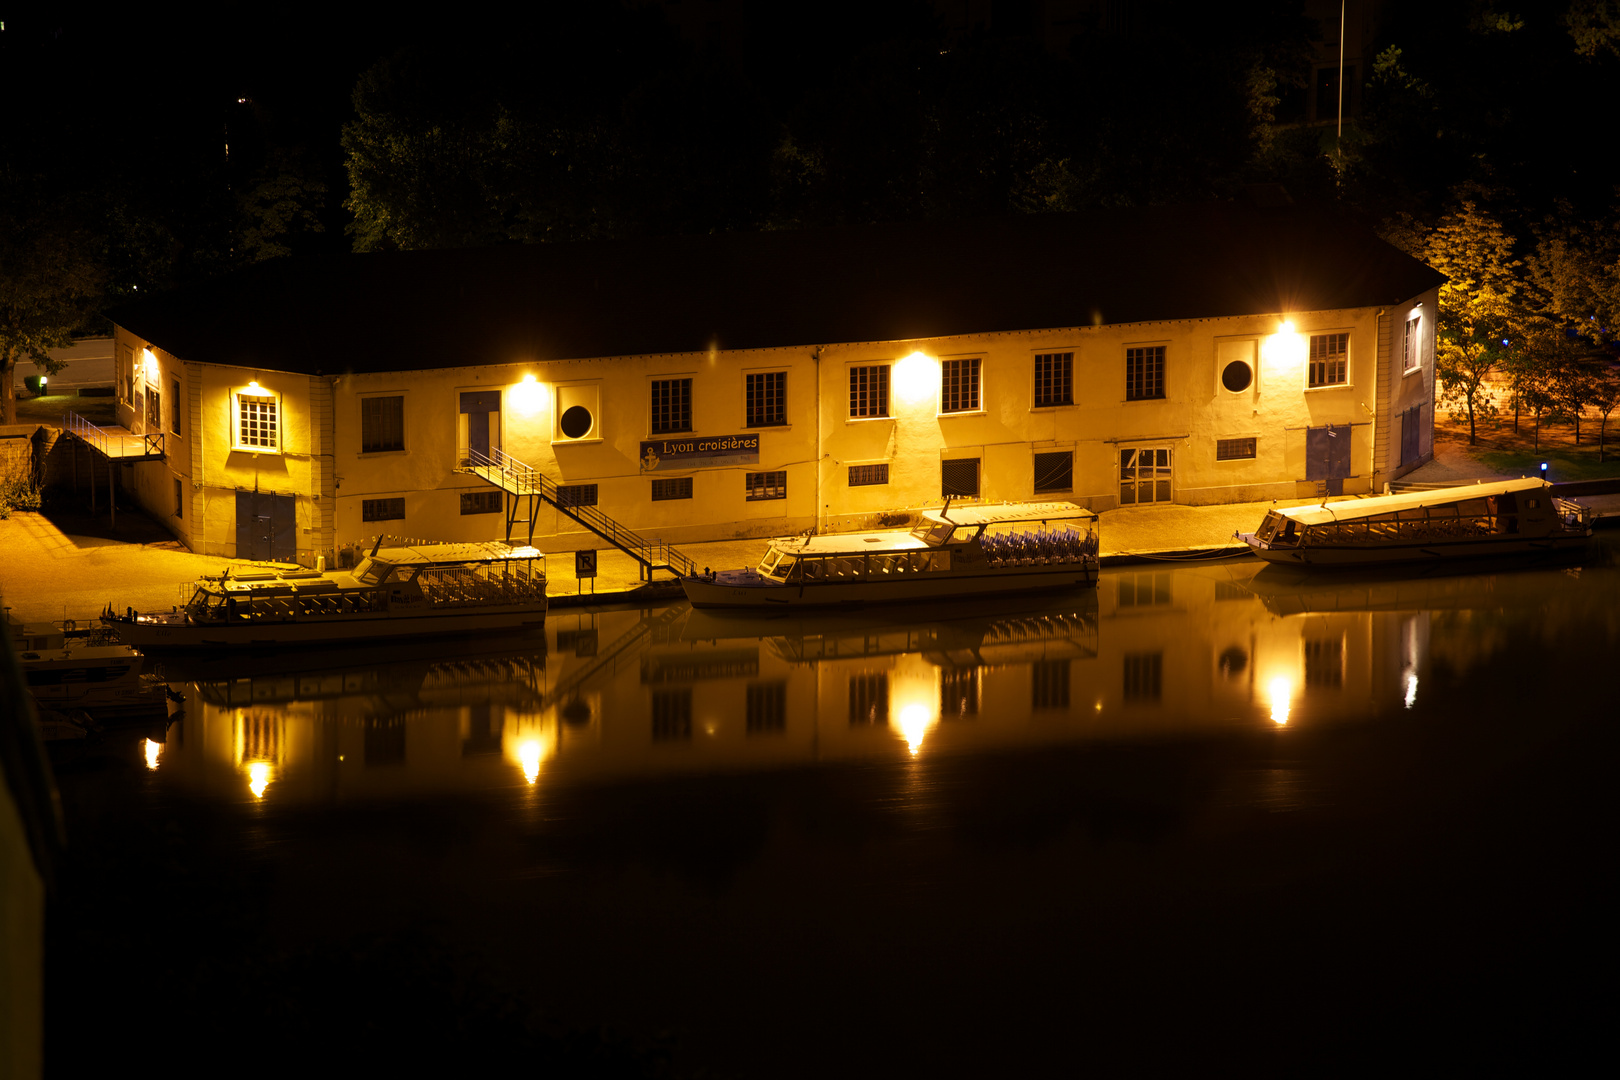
156 633
703 592
1326 556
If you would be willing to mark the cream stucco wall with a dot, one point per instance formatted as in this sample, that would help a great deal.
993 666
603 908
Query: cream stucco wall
321 462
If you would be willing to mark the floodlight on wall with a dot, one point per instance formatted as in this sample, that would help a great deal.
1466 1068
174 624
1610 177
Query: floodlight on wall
1285 349
916 377
527 397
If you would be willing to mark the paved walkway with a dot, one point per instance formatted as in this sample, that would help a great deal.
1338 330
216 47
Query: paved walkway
69 568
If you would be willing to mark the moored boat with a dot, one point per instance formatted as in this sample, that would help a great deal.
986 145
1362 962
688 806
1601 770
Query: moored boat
1506 517
395 592
953 553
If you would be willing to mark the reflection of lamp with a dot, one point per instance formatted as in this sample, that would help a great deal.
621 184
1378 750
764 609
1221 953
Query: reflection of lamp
259 777
1281 691
153 749
915 720
529 759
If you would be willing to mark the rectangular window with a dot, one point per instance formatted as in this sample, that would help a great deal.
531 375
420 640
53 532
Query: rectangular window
766 485
154 409
1414 359
1144 373
1144 676
382 424
1329 362
869 391
958 693
179 404
959 476
672 714
868 475
179 499
1324 662
126 374
1144 476
576 495
1054 379
1049 684
869 699
1054 471
767 708
959 385
1145 589
678 488
382 509
671 405
1233 449
481 502
258 426
767 399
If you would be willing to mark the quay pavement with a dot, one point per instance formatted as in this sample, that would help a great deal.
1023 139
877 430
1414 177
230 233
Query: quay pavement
69 565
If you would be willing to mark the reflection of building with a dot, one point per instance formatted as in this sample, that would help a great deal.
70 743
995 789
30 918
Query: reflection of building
750 384
629 694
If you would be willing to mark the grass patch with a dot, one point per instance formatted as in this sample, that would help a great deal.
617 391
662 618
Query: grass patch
1563 463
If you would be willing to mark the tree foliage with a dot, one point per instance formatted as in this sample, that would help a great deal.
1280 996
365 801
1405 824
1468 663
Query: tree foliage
50 282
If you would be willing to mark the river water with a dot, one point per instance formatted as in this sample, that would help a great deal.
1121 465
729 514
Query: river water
1203 810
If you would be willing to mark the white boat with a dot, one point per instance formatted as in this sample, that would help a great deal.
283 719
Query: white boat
64 668
954 553
1506 517
413 591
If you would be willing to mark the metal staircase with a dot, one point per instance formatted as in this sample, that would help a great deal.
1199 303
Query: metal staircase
529 488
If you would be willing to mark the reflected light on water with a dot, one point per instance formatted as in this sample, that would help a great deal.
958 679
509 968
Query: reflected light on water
529 759
1411 690
1281 691
915 720
259 776
153 749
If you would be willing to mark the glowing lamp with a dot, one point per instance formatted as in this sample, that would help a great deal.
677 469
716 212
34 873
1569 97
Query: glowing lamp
254 387
1285 349
528 396
916 377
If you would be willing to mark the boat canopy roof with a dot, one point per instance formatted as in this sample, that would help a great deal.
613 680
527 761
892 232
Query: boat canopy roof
1356 509
452 554
1002 513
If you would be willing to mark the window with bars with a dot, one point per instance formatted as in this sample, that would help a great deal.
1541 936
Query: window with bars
382 424
1054 379
868 475
1412 349
576 495
1329 359
1234 449
481 502
1144 373
959 385
869 391
671 405
1054 471
869 699
958 693
258 425
382 509
767 708
960 477
672 714
766 394
679 487
1049 684
1324 663
766 485
1144 676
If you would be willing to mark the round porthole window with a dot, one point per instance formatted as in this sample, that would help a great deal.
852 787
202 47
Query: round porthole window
575 422
1237 376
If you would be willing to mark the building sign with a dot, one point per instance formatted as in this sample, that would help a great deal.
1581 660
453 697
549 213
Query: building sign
699 451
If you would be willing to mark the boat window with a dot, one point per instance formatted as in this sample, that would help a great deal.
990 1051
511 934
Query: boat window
768 564
933 533
371 571
780 567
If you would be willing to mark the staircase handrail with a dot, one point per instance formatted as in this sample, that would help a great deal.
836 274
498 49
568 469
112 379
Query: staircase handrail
149 444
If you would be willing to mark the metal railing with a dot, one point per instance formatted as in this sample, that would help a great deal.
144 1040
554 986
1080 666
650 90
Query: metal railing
113 444
514 476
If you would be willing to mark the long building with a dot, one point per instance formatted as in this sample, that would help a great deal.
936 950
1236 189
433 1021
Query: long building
745 384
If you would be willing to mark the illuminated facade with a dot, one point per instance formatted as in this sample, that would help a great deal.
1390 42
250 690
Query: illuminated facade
835 380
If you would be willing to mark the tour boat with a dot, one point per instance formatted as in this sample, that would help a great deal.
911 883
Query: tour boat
954 553
407 591
65 668
1507 517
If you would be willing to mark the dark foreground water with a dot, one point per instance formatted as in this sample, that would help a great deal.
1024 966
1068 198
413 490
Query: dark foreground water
1210 816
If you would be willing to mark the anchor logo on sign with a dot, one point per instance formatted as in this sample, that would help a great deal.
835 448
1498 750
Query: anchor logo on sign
649 460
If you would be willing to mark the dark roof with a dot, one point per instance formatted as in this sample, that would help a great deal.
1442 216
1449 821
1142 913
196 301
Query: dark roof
428 309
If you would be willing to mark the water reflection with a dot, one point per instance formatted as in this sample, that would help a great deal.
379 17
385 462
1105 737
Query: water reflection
645 693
